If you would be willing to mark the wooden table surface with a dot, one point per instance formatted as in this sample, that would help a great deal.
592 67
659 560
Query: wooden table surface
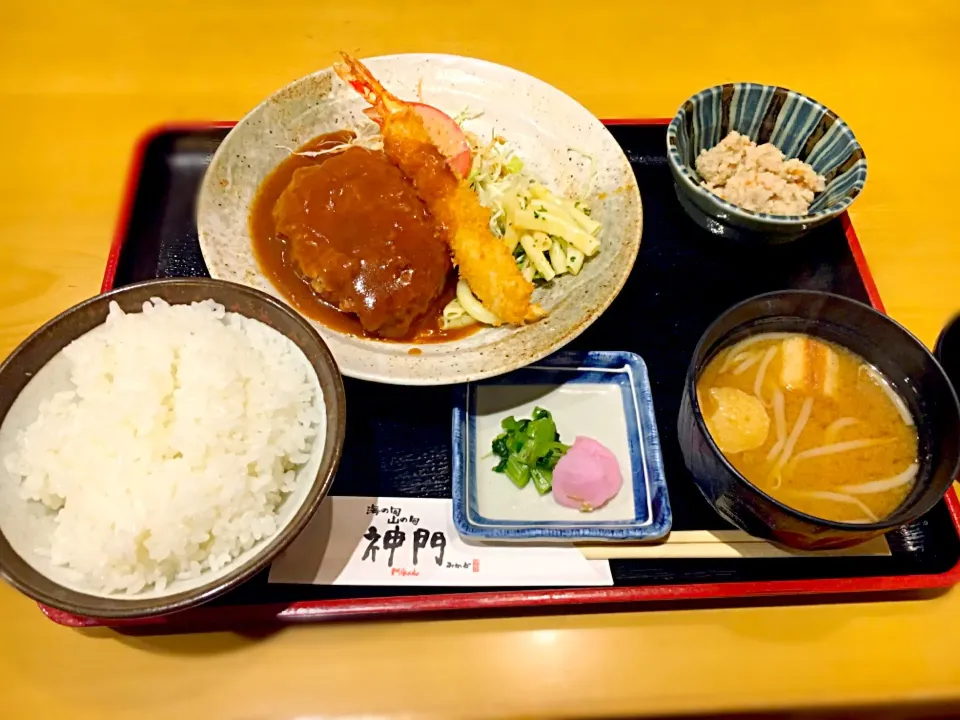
79 81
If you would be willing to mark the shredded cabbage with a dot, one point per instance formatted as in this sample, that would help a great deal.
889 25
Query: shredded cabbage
549 235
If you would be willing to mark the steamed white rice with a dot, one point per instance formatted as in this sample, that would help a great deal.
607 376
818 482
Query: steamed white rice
177 447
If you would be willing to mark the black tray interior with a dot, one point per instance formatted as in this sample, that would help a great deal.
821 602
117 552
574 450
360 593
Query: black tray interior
398 438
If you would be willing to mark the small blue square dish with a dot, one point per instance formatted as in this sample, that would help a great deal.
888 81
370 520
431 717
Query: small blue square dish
605 396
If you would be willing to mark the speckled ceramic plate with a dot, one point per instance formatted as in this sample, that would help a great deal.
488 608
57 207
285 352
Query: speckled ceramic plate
560 142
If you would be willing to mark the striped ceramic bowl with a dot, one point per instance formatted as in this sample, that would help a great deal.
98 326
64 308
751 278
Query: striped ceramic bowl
799 126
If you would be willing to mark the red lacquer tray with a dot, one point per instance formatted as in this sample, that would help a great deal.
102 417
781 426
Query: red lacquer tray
682 280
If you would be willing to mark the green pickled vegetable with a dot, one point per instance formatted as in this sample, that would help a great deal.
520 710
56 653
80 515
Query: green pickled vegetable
517 471
529 450
542 480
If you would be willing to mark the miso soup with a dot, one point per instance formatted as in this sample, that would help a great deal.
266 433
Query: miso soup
812 425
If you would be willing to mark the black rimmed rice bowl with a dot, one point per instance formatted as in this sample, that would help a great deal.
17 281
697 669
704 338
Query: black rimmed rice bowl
23 387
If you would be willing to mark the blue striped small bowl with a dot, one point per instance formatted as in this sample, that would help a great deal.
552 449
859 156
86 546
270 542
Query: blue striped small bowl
798 125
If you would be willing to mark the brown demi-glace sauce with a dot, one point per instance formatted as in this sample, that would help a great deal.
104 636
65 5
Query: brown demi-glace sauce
275 253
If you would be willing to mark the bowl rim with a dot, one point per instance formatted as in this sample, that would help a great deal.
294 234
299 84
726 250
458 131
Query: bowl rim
78 602
951 328
683 173
690 386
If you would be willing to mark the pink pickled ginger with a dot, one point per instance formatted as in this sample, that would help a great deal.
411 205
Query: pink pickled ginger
587 477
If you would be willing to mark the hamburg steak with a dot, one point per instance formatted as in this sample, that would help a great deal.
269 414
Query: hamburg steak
363 238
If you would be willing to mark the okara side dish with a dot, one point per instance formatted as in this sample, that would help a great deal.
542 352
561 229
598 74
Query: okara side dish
758 177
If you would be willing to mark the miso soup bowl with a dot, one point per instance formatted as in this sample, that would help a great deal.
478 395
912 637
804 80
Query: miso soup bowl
890 348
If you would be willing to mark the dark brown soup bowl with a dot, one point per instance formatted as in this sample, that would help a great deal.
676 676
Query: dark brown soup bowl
948 351
23 568
883 343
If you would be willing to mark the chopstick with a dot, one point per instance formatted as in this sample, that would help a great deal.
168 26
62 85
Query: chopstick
720 544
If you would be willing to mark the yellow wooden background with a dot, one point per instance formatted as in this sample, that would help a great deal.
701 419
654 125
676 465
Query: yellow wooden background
79 81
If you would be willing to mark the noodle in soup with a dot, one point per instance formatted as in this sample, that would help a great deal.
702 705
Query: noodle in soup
812 425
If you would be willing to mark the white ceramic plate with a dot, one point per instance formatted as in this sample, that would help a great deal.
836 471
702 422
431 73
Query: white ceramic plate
554 136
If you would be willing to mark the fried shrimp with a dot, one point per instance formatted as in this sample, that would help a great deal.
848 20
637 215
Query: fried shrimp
483 260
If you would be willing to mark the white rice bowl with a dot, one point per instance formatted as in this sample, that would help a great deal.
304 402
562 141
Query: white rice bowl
159 451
